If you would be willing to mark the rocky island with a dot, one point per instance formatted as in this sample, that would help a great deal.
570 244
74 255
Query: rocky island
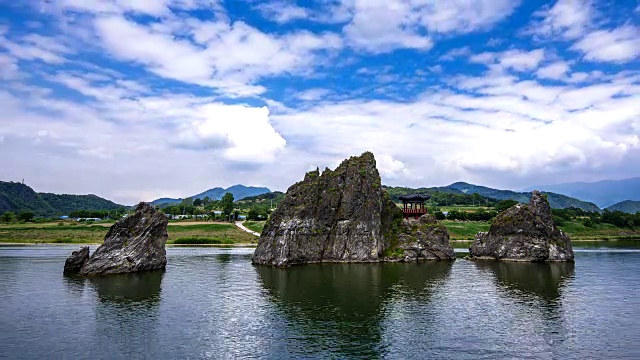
345 215
136 243
523 233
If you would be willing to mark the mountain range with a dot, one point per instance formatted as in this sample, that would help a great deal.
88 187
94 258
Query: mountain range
238 191
628 206
603 193
18 197
557 201
623 194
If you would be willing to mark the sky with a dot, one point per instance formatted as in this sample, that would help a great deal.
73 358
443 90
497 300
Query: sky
139 99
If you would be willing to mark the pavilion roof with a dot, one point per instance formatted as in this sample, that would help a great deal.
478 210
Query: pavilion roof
415 197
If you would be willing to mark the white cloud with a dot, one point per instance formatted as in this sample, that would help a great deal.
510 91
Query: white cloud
568 19
282 12
312 94
380 26
8 67
463 16
242 133
156 8
556 70
618 45
36 47
231 57
517 60
455 53
391 168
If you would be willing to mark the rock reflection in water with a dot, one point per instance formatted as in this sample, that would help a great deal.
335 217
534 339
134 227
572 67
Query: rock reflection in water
337 309
126 288
544 280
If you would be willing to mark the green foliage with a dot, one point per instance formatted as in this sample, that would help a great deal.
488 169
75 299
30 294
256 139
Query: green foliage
17 197
25 216
439 215
253 215
8 216
256 226
227 204
504 205
102 214
197 202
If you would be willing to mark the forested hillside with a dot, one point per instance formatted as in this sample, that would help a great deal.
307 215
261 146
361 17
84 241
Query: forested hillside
17 197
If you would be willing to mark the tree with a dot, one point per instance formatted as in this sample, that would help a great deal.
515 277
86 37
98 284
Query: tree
504 205
227 204
25 216
8 216
253 214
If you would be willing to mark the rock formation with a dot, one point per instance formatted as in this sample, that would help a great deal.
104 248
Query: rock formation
74 263
136 243
424 239
340 216
524 233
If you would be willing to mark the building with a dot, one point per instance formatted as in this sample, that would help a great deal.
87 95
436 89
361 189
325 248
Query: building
413 205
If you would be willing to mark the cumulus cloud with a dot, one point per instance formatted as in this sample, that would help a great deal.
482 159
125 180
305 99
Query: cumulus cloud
621 44
381 26
282 12
568 19
231 57
555 71
518 60
243 134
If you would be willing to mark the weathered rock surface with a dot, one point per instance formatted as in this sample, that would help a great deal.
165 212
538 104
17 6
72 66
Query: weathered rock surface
524 233
424 239
340 216
136 243
74 263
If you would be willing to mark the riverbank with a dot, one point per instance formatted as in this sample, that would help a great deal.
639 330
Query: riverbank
184 233
201 233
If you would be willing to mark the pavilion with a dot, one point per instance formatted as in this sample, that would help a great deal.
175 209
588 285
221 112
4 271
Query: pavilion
413 205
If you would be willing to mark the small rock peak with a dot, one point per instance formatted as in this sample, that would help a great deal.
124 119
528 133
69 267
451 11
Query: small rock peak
539 204
314 174
135 243
524 233
145 207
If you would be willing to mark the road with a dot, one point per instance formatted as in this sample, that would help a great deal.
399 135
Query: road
243 228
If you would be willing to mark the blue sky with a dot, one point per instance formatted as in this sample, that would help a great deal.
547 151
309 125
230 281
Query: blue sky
138 99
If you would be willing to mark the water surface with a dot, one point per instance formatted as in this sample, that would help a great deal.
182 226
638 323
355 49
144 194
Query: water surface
212 303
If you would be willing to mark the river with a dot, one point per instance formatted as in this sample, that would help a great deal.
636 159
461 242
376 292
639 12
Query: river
212 303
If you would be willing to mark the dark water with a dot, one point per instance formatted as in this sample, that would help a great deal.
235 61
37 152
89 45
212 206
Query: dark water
212 303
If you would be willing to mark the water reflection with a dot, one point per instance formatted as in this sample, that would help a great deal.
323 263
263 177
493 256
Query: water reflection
544 280
337 309
129 288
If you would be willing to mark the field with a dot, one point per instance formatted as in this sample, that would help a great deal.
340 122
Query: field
254 225
74 233
211 233
466 230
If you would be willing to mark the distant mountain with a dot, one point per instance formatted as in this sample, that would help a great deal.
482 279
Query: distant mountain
628 206
17 197
238 191
557 201
602 193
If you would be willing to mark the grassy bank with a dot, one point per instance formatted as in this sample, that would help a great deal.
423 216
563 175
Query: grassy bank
466 230
201 233
254 225
73 233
